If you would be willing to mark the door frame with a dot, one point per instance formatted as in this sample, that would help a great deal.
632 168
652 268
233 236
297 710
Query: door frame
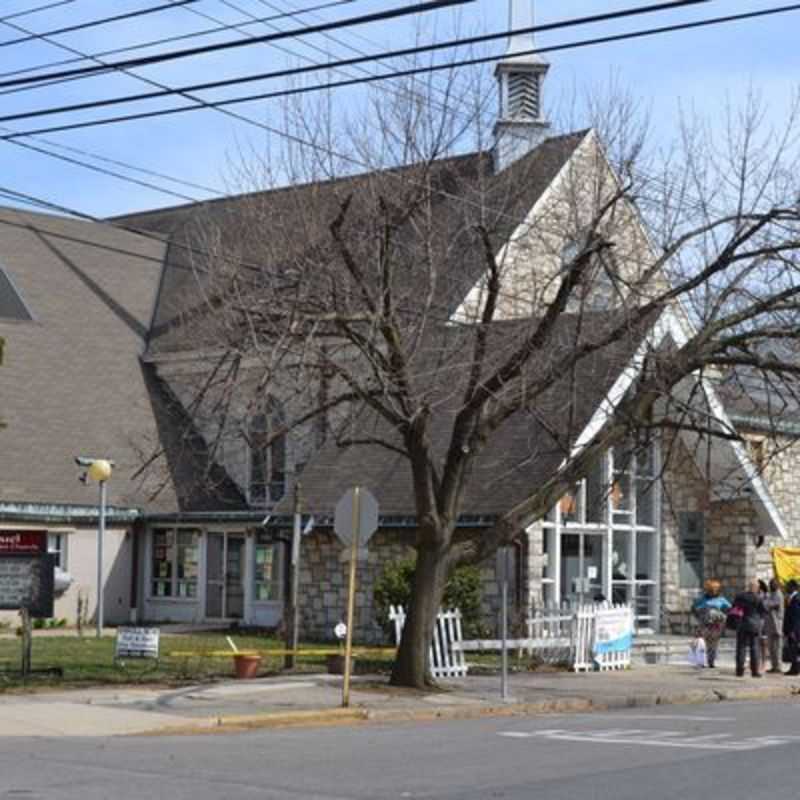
245 574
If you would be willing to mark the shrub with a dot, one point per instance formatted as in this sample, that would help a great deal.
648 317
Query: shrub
463 591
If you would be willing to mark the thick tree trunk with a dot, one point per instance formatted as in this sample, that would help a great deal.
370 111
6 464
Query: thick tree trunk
411 667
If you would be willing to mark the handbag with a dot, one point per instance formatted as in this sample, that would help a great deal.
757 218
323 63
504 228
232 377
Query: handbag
734 618
697 652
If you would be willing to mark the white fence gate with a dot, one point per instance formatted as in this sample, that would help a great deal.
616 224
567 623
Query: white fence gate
446 660
589 636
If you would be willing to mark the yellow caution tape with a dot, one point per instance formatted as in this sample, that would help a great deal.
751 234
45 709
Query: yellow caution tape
357 651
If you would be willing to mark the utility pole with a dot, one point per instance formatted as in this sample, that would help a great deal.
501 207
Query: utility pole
293 615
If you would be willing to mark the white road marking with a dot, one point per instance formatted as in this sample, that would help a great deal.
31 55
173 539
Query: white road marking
655 738
679 717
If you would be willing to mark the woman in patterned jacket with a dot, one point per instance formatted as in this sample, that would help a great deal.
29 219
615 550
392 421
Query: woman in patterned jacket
711 609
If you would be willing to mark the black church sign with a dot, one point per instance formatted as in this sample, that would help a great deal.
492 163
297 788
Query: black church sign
26 581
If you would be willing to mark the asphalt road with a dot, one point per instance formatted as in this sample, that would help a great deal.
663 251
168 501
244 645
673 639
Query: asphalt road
736 751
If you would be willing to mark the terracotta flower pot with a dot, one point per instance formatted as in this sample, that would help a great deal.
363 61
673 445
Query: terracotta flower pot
336 665
246 665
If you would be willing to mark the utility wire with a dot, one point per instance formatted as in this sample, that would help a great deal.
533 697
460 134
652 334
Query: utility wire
29 11
315 67
351 160
398 73
364 19
116 162
94 168
127 166
105 171
96 22
345 158
221 28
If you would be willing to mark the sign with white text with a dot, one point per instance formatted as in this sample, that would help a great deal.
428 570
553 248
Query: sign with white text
137 643
23 542
27 582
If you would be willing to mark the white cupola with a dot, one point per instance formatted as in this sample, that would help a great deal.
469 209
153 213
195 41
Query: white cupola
520 126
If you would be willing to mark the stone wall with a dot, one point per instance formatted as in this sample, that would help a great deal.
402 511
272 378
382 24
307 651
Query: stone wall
324 570
683 489
782 477
734 552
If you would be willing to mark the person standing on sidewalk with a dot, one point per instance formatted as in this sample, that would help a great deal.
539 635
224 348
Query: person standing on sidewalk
773 624
710 609
791 627
748 633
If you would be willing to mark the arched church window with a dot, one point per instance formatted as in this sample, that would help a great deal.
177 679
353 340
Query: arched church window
267 448
597 290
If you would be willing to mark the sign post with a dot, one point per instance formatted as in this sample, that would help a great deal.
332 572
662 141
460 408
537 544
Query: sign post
504 564
26 582
293 629
356 518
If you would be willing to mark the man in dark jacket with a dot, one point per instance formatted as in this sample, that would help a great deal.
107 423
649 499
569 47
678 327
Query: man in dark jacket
748 634
791 627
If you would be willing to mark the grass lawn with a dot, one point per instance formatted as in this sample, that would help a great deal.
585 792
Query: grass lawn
89 661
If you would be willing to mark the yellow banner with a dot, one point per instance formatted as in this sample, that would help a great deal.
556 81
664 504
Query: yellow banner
786 561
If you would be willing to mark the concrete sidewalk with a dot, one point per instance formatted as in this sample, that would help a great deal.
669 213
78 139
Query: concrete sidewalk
315 700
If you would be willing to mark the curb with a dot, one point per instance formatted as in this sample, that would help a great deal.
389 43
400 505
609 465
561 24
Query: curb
579 705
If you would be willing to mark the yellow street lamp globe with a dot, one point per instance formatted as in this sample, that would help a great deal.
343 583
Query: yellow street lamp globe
100 470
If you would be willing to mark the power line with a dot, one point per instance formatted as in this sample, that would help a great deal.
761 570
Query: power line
151 173
29 11
118 163
105 171
127 166
315 67
112 173
397 73
97 22
348 159
364 19
151 82
166 40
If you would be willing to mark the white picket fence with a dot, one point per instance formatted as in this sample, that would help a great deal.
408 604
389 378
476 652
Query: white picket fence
446 660
559 634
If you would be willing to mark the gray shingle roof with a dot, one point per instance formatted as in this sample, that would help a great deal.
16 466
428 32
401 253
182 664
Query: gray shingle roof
524 451
72 382
224 225
102 297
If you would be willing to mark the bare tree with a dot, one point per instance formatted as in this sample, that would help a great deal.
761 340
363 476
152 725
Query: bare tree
433 307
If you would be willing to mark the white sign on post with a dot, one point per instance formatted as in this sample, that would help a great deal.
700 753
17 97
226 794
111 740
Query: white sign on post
344 522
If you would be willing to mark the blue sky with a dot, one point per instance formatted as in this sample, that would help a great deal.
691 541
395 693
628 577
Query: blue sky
702 67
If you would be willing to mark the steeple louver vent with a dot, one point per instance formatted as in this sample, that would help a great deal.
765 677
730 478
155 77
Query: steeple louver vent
521 125
523 96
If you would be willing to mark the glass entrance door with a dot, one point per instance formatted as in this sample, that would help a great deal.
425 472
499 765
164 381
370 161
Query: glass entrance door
225 575
583 567
234 577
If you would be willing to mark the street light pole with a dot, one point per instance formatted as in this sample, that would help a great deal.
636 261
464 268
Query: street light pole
101 533
98 469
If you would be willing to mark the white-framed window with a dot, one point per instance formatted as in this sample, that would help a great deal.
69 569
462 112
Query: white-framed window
57 546
267 569
175 562
601 539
